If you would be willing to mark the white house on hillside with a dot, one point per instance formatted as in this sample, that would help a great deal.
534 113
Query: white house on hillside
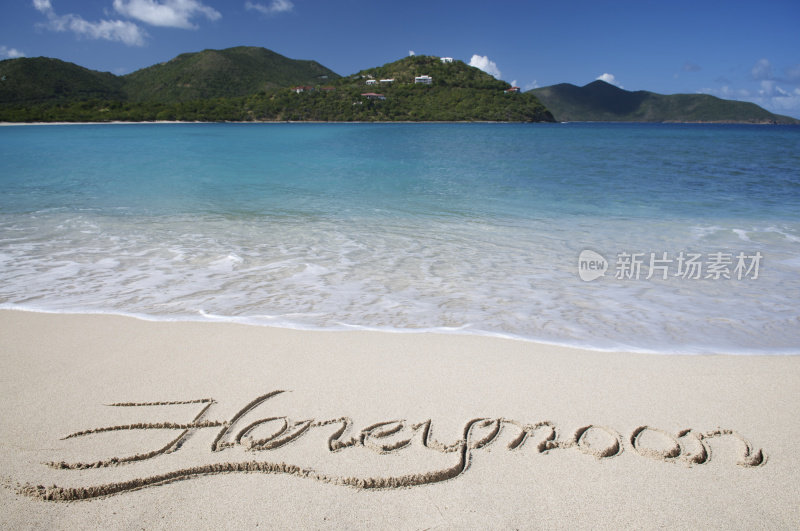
427 80
447 59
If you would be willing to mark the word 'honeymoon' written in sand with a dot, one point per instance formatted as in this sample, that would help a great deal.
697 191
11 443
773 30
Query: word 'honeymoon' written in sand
689 447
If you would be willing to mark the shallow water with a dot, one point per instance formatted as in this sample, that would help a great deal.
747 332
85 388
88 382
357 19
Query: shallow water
466 228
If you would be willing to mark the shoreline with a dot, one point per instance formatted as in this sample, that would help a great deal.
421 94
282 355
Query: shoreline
443 331
113 122
366 429
117 122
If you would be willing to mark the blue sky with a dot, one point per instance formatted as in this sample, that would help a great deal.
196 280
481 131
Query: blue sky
738 50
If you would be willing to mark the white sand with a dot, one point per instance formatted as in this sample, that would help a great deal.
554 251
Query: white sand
737 467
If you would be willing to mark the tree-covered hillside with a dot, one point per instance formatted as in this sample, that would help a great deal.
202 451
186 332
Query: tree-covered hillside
256 84
229 73
36 80
457 92
444 74
253 84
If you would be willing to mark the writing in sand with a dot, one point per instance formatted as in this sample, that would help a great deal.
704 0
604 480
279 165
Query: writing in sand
270 433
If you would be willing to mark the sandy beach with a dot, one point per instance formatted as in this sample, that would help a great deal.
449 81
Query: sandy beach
112 421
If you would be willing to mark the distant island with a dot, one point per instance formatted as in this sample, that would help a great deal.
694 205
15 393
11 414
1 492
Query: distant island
254 84
602 102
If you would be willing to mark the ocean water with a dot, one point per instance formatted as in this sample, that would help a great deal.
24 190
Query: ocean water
456 228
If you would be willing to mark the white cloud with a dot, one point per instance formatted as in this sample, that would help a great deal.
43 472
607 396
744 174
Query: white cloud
762 70
42 5
110 30
782 103
276 6
532 85
609 78
412 53
482 62
728 93
10 53
514 83
793 73
170 13
771 89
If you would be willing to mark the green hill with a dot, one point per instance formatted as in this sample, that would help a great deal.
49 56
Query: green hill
255 84
249 83
229 73
44 80
457 92
444 74
602 102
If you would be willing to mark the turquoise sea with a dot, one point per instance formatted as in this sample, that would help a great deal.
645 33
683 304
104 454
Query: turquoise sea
457 228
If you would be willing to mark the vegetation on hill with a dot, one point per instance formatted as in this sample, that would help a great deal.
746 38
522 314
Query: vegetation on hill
602 102
444 74
230 73
458 92
253 84
30 81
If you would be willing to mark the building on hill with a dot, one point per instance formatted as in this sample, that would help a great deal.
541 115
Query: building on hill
425 80
302 88
373 96
512 90
446 59
387 81
371 82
